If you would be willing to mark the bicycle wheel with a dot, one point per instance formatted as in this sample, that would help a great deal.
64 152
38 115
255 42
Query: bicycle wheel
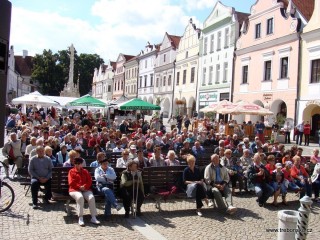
6 196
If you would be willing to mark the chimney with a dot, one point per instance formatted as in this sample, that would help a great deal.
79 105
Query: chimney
24 53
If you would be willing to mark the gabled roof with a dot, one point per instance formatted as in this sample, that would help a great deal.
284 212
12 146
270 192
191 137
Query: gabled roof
175 40
114 65
23 65
242 16
128 57
305 7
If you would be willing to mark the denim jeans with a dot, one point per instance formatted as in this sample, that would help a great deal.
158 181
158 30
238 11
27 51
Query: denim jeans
282 186
316 188
306 187
263 191
293 187
110 200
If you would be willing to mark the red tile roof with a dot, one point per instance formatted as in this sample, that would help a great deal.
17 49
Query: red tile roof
305 7
114 65
175 40
128 57
23 65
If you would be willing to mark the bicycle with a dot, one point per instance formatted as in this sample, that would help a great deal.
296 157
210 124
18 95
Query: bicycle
6 194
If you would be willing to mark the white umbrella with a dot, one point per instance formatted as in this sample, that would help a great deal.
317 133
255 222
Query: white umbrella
34 98
218 106
244 107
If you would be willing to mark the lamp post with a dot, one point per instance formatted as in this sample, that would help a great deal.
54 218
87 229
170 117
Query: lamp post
179 108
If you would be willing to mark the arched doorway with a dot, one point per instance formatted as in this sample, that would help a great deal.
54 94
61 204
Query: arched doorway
312 114
191 107
279 108
166 108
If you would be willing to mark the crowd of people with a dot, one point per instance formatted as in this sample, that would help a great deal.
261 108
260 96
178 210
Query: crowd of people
49 140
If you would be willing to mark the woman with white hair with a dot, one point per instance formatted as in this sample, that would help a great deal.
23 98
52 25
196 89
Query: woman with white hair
171 159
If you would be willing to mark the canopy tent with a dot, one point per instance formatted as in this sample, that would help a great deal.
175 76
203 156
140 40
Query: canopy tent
244 107
214 107
63 101
87 101
138 104
120 100
35 98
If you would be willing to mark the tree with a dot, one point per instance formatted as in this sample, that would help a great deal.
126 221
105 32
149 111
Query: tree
51 71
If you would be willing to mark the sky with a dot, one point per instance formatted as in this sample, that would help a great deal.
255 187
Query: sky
104 27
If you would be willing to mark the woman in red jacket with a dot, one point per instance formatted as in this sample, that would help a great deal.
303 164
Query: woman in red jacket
306 132
80 182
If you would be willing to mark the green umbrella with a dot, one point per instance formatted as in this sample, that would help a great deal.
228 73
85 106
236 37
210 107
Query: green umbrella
138 104
87 101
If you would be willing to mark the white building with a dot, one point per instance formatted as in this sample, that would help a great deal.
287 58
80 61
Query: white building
146 72
217 45
165 72
131 74
103 81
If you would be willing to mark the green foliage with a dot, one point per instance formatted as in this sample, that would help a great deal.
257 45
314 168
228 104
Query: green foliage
51 71
210 115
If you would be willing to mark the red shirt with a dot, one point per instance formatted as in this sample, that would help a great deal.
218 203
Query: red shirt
295 172
77 179
92 142
307 129
270 168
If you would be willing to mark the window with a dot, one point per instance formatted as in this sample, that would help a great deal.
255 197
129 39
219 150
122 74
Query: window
315 71
184 79
217 73
121 85
245 74
178 78
210 75
219 42
140 82
211 43
205 46
126 89
187 53
151 80
146 63
269 26
109 88
192 74
258 30
267 70
204 76
145 80
118 85
226 38
164 81
157 82
284 68
169 80
225 72
164 58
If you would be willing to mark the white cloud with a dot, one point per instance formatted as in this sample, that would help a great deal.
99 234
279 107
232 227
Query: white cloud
125 26
199 4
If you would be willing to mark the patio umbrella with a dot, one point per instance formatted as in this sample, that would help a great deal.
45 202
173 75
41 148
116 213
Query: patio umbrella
138 104
87 101
244 107
215 107
34 98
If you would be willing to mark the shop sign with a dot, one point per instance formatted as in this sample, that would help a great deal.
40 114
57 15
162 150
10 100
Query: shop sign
267 96
208 97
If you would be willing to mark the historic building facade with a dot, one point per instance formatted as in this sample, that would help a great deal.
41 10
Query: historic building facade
131 74
217 45
165 72
147 59
102 83
266 69
119 76
186 77
309 89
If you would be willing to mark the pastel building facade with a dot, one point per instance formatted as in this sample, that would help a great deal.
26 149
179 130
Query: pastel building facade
131 74
147 59
217 45
309 89
267 59
164 73
102 84
186 76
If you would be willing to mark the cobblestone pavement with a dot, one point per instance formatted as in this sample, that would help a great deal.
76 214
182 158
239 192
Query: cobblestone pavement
178 220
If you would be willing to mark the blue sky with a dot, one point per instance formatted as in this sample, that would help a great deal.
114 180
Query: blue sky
105 27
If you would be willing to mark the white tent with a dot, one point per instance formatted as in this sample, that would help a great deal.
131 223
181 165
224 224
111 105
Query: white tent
35 98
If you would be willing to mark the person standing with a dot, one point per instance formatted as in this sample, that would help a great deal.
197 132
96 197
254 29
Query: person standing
40 170
306 132
300 129
260 130
287 129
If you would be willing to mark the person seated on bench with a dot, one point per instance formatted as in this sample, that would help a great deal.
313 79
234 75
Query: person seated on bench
216 177
122 162
11 150
72 156
141 160
157 160
258 176
80 181
100 157
172 159
301 177
105 176
62 156
40 170
128 186
195 184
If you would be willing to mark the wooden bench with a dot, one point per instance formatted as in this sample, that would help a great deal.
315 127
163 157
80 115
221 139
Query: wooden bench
60 186
163 182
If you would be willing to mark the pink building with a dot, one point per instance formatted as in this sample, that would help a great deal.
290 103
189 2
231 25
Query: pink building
267 58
